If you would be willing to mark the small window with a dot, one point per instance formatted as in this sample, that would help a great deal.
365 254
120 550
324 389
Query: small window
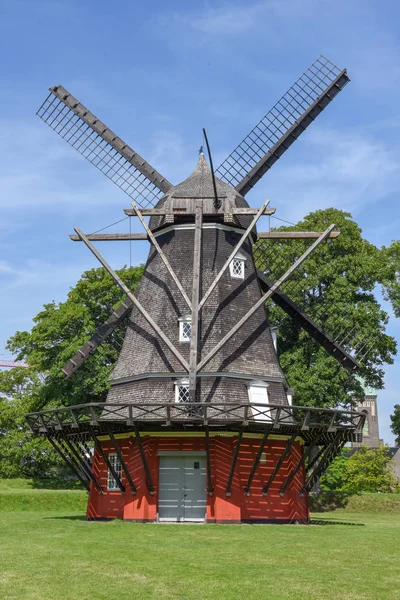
237 266
116 465
366 424
258 395
185 328
182 391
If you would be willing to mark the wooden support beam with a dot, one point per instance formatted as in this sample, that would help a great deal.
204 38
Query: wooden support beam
302 460
103 454
256 461
278 465
210 488
110 237
127 291
102 333
273 235
121 460
162 255
265 297
314 330
234 461
81 462
83 479
233 253
332 450
194 338
161 212
149 481
111 138
293 235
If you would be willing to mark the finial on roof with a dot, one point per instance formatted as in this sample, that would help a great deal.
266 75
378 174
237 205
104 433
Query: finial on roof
201 150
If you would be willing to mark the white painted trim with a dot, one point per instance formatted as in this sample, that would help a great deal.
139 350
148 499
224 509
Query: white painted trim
205 374
184 226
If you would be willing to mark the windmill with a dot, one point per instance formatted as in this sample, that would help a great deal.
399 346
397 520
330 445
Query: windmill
198 400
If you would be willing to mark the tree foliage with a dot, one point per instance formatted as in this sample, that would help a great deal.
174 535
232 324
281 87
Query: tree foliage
335 286
366 470
60 329
395 425
392 275
22 455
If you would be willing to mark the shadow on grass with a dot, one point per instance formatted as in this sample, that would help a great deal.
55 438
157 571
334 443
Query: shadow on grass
67 518
329 522
57 484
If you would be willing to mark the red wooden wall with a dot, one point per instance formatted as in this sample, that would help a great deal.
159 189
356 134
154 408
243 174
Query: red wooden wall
220 508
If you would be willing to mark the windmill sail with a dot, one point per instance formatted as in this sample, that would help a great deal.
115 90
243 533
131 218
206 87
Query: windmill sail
102 147
282 125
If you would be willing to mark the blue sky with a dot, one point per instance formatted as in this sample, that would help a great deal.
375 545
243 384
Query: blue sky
158 72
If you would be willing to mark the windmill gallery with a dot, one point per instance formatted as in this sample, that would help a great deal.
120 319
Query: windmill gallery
199 423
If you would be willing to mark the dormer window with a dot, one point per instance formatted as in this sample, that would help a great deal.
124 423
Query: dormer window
185 328
258 395
236 266
182 391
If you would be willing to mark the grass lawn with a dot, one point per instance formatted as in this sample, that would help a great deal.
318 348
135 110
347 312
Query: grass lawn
57 555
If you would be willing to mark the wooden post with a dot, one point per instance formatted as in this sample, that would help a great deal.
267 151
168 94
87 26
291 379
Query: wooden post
128 292
82 478
256 461
209 477
234 252
265 297
278 465
301 462
149 481
234 461
162 255
99 448
121 460
194 338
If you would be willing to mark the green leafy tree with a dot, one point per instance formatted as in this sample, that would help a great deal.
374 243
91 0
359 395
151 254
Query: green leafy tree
335 286
370 470
60 329
365 470
392 275
335 478
395 426
22 455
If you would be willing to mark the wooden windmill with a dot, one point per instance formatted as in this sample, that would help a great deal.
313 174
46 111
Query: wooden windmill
199 422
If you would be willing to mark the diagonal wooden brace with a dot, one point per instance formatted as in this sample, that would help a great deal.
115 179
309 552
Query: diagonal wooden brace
265 297
162 255
233 253
128 292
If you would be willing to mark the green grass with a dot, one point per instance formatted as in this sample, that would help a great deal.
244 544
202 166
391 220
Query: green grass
49 552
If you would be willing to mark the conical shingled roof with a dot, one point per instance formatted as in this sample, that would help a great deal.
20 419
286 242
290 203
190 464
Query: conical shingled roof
199 186
199 183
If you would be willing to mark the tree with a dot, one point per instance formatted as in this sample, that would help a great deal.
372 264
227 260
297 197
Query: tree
370 470
395 426
60 329
366 470
22 455
335 286
392 275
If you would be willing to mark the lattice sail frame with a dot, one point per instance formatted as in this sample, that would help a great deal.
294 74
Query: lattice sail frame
342 327
100 146
281 126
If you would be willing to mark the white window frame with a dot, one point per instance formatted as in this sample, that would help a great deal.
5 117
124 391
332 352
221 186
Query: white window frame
240 259
112 484
258 394
182 322
182 383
